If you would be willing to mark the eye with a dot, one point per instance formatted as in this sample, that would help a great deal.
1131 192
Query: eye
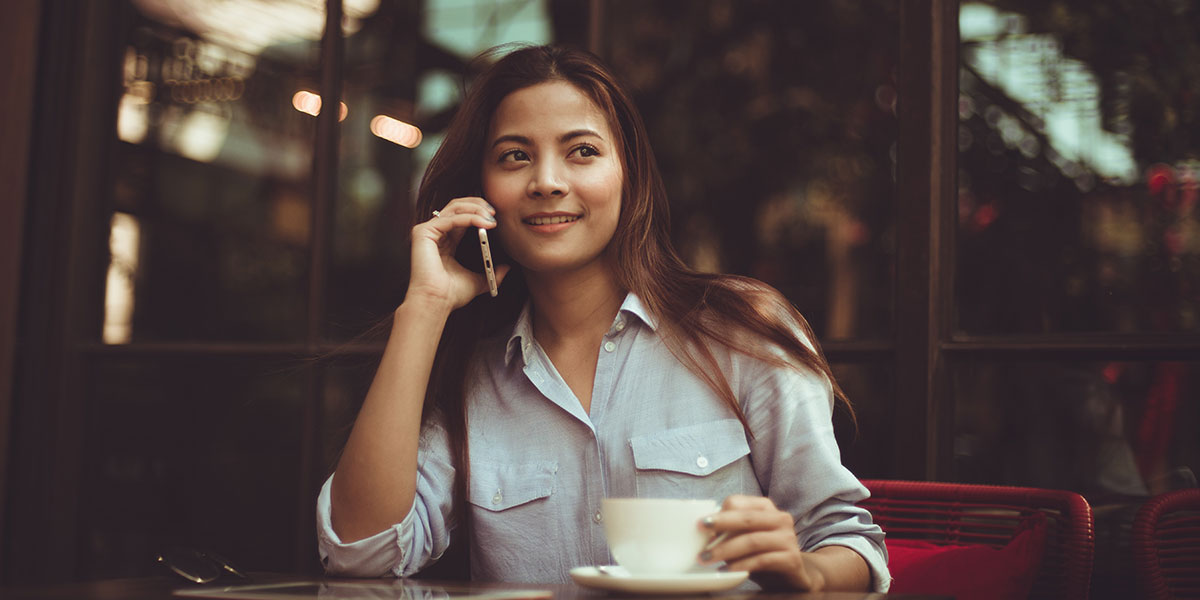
585 151
513 156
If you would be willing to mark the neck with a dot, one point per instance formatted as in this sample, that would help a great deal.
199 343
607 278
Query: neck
573 306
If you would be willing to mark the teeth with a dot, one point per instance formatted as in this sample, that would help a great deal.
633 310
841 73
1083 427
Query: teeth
552 220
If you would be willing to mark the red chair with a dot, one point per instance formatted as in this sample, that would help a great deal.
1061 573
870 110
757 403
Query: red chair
984 515
1165 541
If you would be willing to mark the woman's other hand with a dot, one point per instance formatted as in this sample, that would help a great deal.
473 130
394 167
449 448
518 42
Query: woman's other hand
761 539
435 274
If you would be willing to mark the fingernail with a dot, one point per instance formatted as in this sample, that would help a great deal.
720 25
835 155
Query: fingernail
490 218
707 522
706 556
723 568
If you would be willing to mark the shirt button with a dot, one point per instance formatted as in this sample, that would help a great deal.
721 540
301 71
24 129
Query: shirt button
609 346
701 462
620 325
498 498
597 517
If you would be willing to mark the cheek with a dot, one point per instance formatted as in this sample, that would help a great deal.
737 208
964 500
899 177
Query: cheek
605 187
499 190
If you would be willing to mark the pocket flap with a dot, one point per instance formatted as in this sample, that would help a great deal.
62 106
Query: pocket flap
695 450
499 486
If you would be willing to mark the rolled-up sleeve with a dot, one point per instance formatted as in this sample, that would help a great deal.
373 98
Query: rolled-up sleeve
405 547
798 464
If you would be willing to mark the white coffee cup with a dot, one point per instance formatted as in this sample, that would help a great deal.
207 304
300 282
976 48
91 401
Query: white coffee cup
656 536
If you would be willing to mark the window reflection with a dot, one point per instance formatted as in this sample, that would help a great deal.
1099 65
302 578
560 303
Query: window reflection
404 70
774 125
1078 169
253 26
214 165
866 441
467 27
310 103
1109 430
124 244
776 138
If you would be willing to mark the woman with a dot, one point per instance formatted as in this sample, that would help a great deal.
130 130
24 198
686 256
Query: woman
605 367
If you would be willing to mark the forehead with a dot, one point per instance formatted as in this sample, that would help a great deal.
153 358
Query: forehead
551 106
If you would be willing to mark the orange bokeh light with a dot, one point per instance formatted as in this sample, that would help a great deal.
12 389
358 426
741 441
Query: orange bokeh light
310 103
396 131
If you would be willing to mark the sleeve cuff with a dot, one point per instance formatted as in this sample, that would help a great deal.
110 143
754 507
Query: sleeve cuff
876 557
376 556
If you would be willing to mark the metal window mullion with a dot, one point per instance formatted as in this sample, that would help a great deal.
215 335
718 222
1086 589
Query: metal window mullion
944 223
1067 350
325 167
325 173
924 252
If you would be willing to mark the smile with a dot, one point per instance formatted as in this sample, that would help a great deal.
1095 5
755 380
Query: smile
555 220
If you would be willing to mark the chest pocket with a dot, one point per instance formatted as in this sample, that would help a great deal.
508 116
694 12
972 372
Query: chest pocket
703 461
513 514
497 486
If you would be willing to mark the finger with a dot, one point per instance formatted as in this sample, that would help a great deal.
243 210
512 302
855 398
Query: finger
744 502
747 520
447 230
461 220
469 204
740 546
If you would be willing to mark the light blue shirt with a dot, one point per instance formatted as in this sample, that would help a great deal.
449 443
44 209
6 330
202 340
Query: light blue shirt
540 464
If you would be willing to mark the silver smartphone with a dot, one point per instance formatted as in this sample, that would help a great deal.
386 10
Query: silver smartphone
488 268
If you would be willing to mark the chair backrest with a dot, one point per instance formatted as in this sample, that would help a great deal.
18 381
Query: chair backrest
953 513
1165 541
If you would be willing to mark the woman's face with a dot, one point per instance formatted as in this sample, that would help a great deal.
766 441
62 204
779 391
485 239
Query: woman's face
552 169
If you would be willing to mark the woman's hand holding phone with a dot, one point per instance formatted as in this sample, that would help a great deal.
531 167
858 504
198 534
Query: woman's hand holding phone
435 274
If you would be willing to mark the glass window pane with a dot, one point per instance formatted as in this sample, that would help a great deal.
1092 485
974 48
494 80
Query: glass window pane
1117 432
774 136
212 172
1109 430
774 125
866 446
404 71
1079 178
190 451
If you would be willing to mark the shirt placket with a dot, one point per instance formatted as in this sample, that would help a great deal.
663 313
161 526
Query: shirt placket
607 364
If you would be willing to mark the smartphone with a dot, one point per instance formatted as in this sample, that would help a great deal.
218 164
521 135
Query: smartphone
488 269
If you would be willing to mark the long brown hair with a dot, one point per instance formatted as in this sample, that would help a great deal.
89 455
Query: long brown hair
693 309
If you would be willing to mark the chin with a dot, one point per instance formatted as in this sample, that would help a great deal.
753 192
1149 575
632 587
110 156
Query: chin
556 265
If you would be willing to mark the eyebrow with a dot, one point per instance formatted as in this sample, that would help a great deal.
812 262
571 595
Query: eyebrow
566 137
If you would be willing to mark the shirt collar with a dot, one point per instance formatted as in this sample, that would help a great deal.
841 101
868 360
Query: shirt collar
521 339
633 305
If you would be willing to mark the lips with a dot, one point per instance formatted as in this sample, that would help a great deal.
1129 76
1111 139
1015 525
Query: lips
550 219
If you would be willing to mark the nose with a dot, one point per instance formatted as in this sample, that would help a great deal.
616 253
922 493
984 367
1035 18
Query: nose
548 181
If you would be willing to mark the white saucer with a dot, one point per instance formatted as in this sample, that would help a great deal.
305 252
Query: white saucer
617 579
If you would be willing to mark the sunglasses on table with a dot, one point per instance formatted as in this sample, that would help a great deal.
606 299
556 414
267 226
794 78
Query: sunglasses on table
198 566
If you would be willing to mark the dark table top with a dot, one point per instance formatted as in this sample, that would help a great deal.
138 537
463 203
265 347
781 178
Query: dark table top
301 587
